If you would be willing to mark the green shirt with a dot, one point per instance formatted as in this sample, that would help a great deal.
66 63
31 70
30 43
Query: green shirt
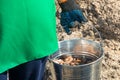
27 31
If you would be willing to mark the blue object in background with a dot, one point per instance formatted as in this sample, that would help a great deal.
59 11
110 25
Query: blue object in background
68 18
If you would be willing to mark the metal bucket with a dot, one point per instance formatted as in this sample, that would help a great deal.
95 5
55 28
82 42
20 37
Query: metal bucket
89 71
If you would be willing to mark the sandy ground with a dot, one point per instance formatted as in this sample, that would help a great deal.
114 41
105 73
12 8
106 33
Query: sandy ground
104 15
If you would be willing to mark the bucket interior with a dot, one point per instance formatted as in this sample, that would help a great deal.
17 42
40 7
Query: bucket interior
86 50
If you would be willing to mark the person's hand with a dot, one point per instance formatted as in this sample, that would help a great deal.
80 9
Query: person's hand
71 13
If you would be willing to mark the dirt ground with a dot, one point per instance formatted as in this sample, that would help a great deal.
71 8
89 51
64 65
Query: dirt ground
104 15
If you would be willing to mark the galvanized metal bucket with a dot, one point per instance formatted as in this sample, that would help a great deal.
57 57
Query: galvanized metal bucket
89 71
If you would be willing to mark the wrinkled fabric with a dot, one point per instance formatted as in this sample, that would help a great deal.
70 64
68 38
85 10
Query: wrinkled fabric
3 76
32 70
27 31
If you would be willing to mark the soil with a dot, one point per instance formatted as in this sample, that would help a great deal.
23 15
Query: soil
104 15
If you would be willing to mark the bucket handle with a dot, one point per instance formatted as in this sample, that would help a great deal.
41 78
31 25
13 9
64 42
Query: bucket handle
101 41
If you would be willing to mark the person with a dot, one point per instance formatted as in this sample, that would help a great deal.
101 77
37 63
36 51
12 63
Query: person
71 15
27 37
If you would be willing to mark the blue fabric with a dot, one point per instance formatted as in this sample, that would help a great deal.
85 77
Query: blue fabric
33 70
68 18
67 30
3 76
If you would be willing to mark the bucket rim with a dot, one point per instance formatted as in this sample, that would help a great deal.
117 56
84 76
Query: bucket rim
97 60
93 62
100 43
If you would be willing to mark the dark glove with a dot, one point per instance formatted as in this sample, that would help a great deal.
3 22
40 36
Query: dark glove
70 14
